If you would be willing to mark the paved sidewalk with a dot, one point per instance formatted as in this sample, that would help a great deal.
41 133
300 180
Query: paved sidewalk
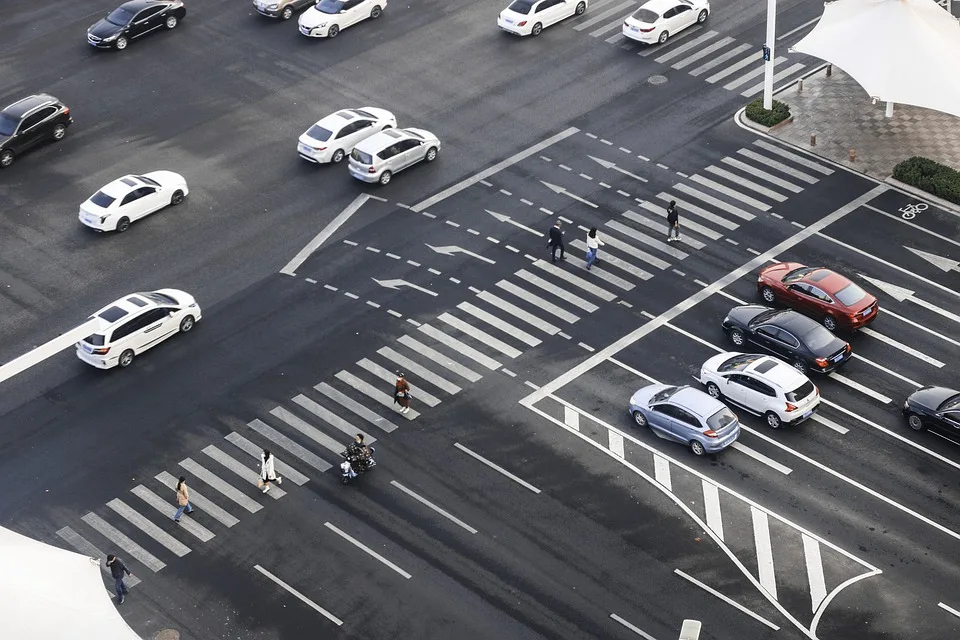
840 113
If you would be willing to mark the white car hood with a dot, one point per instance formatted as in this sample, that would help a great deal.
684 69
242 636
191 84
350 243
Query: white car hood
313 18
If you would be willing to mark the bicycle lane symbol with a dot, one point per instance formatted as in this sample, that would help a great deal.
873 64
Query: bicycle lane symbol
910 211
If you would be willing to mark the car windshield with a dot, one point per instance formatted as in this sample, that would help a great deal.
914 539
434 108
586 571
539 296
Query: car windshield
764 316
645 15
319 133
159 298
149 181
120 17
800 392
7 125
330 6
850 295
521 6
739 362
663 395
721 419
102 200
798 274
818 338
950 404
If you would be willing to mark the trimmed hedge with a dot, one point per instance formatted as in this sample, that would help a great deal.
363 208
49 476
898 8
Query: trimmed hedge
758 114
933 177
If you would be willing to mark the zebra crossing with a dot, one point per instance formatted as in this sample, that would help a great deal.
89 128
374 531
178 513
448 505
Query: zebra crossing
736 66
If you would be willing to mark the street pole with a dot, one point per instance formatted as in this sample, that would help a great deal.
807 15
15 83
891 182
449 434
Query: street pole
769 55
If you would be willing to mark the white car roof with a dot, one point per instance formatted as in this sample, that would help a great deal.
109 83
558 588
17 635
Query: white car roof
777 372
122 186
118 310
659 6
380 141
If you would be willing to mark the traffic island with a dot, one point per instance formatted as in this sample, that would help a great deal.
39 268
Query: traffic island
767 120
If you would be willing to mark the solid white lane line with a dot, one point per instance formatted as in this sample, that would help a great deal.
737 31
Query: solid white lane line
420 371
888 371
818 585
711 503
688 207
914 225
432 354
216 482
949 608
46 350
374 393
634 252
693 337
189 525
853 384
830 424
252 476
308 429
635 372
763 175
662 229
291 267
661 471
560 292
726 295
333 419
717 202
200 501
718 60
800 28
615 443
921 327
486 173
571 418
733 193
635 629
702 53
502 325
688 224
427 503
761 538
367 549
495 467
759 457
749 184
586 285
479 335
676 51
757 88
735 605
770 163
121 539
287 444
538 302
519 313
390 377
899 345
286 471
88 549
304 599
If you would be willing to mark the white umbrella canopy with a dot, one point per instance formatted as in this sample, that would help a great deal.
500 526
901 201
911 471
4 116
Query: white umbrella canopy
47 593
901 51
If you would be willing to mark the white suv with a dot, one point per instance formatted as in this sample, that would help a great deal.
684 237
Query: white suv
135 323
380 156
762 385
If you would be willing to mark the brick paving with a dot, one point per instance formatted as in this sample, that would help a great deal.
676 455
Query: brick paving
840 113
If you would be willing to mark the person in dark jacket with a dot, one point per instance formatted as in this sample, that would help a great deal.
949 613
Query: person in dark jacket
673 220
117 570
556 242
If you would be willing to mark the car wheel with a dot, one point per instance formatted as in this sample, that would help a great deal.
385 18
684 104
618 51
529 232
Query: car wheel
737 337
702 17
375 12
59 131
537 28
773 420
800 366
768 295
581 8
640 419
6 158
287 12
714 390
663 38
126 358
121 43
187 323
697 447
337 156
431 154
385 177
177 197
830 323
333 31
915 422
170 22
123 224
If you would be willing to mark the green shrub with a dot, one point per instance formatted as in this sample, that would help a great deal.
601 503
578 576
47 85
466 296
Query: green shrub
933 177
758 114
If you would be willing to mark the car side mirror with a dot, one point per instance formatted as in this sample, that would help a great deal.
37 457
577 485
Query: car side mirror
343 10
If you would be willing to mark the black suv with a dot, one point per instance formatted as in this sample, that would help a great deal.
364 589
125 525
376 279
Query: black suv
30 121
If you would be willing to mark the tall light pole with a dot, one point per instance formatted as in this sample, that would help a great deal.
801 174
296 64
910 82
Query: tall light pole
768 55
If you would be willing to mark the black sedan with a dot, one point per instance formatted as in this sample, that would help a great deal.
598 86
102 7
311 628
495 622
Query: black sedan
133 20
936 407
795 338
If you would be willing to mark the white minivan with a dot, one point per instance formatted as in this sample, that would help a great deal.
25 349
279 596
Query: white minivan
131 325
378 157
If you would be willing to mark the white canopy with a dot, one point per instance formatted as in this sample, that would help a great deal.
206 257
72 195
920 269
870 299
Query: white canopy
46 593
902 51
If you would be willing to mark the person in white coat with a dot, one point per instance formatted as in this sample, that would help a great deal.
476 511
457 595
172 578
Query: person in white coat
593 245
267 473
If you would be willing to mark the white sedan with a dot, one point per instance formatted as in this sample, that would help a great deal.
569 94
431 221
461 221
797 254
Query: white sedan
329 17
334 137
762 385
132 197
657 20
530 17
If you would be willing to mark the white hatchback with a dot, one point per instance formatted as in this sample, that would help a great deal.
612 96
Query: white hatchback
328 18
762 385
334 137
130 198
378 157
657 20
530 17
131 325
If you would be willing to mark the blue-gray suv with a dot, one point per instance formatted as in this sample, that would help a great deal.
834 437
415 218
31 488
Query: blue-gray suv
685 415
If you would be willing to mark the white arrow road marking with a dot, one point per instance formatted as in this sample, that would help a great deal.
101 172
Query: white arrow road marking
450 250
901 294
944 264
606 164
508 220
396 284
562 191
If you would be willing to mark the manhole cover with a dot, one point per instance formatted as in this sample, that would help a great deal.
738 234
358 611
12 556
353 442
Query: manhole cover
657 79
167 634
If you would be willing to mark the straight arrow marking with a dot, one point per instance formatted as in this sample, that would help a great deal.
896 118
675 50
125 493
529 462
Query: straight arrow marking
901 294
561 190
944 264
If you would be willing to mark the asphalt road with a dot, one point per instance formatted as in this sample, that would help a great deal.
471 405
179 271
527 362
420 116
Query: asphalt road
518 501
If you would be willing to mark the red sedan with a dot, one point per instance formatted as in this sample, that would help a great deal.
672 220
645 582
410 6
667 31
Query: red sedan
818 292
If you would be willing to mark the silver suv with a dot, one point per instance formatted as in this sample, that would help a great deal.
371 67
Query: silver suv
380 156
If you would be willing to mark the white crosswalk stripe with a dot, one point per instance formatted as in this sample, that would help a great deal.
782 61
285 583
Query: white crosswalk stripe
352 405
688 207
647 240
676 51
138 520
502 325
87 548
688 225
717 202
163 506
702 53
600 272
779 166
559 292
123 541
750 75
289 445
607 28
749 184
249 475
519 313
720 59
732 69
460 347
683 35
390 377
418 370
763 175
540 303
577 281
662 228
794 157
634 252
609 259
285 470
200 501
777 78
439 358
213 480
733 193
479 335
331 418
307 429
372 392
603 15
